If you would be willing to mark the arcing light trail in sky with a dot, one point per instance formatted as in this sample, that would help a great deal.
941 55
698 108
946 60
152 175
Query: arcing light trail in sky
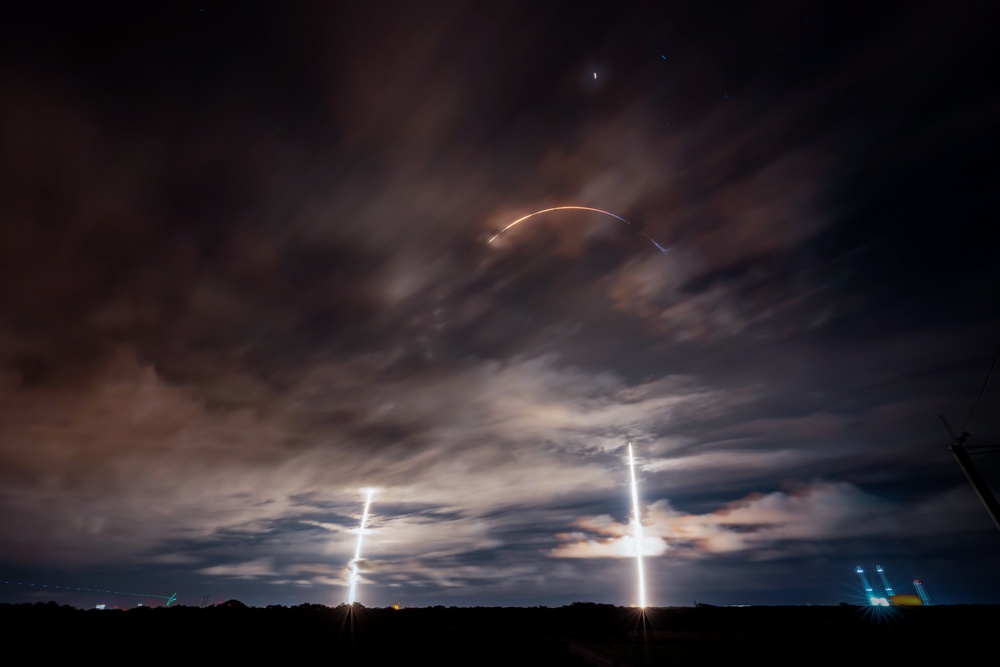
357 551
638 529
574 208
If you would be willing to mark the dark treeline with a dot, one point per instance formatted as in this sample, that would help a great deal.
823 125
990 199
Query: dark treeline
499 635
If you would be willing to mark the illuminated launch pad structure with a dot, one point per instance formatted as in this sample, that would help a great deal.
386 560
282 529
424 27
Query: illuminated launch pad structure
885 582
925 599
869 593
890 597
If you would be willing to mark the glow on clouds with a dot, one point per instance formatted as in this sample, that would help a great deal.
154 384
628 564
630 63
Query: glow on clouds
816 512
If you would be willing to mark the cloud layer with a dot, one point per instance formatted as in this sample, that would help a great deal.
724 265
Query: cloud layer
247 278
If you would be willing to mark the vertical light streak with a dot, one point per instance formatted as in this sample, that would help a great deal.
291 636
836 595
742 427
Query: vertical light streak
638 529
357 551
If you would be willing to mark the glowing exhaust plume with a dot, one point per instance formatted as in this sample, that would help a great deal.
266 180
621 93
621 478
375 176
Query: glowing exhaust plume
357 551
575 208
638 529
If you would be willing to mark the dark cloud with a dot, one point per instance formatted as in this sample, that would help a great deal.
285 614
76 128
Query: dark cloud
245 275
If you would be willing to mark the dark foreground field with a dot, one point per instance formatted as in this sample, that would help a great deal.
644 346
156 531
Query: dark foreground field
576 634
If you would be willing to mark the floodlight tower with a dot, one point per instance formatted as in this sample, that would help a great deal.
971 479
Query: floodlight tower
924 597
885 582
869 593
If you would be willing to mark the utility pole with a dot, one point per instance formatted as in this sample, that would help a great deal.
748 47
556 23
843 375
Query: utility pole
961 452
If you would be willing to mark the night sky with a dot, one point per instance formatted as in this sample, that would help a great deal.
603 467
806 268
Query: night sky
245 275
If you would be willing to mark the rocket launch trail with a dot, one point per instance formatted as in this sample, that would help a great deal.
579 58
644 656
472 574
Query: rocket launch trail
351 596
558 208
638 530
576 208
